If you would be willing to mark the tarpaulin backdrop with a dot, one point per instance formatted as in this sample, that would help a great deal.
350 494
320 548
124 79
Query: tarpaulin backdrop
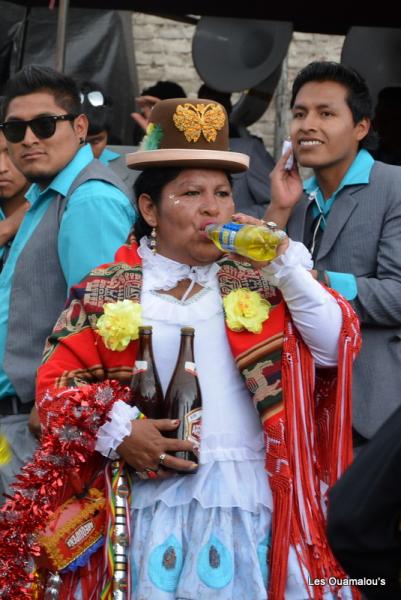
99 48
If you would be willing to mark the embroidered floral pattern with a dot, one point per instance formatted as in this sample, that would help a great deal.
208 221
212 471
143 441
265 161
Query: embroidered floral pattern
119 324
246 310
206 119
234 275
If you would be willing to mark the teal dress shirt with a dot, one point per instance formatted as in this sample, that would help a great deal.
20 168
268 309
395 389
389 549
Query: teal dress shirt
2 217
357 174
107 156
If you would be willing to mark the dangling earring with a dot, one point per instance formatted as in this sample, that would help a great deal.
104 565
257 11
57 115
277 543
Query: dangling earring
153 240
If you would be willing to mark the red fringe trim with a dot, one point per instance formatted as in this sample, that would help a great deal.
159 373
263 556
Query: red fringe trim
281 485
307 442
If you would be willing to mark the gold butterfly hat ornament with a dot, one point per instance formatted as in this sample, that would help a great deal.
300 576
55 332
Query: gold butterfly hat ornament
187 133
206 119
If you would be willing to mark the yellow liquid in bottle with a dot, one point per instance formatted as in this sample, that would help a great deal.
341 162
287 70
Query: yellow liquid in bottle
252 241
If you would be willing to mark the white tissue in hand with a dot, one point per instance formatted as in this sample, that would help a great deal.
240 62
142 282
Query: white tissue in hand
289 163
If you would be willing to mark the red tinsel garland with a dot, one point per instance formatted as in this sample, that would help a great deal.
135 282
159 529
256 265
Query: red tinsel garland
68 440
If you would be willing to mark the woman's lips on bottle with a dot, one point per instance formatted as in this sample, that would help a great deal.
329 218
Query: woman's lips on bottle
203 225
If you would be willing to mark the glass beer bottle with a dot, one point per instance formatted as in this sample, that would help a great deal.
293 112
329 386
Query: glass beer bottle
183 397
258 242
145 384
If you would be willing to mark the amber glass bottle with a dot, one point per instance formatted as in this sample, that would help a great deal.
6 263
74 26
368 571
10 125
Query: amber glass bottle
183 396
145 384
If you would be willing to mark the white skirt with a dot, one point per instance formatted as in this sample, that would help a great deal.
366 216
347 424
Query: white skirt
189 552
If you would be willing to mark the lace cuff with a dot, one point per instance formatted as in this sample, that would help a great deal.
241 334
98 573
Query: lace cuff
296 255
112 433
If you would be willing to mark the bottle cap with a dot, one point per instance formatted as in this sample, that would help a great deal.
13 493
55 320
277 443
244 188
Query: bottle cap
187 330
145 329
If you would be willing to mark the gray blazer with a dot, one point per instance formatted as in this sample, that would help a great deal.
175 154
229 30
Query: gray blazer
128 175
363 237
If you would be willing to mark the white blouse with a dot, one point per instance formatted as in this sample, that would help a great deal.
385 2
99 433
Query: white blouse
231 471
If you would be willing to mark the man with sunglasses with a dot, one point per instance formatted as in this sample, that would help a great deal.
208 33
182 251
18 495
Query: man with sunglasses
79 215
349 214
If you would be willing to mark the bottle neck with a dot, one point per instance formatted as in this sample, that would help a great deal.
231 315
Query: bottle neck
186 348
145 345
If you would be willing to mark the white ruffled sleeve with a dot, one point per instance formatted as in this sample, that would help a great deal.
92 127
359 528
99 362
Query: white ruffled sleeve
112 433
314 311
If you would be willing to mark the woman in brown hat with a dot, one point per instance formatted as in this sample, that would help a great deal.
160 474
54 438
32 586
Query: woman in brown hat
270 342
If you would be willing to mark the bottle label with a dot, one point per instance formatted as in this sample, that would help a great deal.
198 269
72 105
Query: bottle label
140 367
227 236
192 427
190 367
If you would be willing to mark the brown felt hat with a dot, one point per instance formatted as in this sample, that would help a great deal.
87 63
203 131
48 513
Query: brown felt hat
187 132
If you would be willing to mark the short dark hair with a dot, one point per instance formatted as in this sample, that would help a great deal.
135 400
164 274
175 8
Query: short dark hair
2 114
211 94
34 78
164 90
151 181
358 97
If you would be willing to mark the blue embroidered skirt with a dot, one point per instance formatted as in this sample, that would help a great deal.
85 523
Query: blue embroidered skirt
188 552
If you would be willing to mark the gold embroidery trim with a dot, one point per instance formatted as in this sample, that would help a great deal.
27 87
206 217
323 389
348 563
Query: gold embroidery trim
206 119
50 544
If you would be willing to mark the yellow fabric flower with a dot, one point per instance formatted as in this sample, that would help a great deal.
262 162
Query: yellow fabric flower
246 310
119 324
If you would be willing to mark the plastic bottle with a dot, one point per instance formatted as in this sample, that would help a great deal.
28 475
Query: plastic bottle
183 397
258 242
145 384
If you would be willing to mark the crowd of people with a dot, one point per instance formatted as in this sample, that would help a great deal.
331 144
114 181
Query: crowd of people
93 244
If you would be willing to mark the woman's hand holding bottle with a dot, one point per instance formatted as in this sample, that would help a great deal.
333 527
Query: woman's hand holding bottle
252 248
145 445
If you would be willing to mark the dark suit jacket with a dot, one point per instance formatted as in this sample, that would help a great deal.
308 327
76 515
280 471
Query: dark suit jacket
365 511
363 237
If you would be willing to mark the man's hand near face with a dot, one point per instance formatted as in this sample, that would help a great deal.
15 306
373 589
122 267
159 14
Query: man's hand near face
145 104
286 190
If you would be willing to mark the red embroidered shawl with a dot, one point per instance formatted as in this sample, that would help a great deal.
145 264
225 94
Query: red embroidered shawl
306 413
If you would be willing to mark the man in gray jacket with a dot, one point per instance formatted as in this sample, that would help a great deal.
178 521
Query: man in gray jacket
79 215
349 216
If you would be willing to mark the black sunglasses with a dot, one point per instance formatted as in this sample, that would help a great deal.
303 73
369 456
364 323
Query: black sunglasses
42 127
